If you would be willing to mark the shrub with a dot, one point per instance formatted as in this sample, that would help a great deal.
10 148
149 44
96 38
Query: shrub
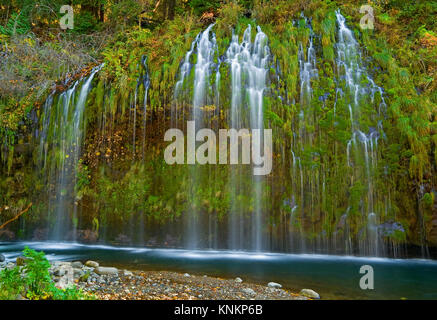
33 281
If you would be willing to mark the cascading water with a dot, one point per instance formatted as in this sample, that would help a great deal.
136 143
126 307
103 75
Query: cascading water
362 153
307 72
249 63
205 48
63 130
246 220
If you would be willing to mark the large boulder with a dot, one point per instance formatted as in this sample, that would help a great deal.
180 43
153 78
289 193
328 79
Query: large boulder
2 258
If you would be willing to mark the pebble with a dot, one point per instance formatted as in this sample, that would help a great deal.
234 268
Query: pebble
274 285
127 273
186 275
92 264
309 293
249 291
238 280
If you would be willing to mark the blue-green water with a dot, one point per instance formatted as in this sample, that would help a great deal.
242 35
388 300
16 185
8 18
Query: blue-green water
334 277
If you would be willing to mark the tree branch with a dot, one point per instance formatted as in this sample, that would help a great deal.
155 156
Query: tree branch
16 217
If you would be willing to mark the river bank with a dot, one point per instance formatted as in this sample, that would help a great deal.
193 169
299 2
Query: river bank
110 283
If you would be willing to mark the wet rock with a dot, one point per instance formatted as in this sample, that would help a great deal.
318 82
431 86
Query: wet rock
92 264
86 236
238 280
388 229
77 265
186 275
106 271
40 234
123 239
274 285
249 291
2 258
7 235
309 293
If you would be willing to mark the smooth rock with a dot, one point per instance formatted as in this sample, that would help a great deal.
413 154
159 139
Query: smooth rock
309 293
249 291
78 272
77 265
186 275
2 258
92 264
59 272
274 285
106 271
238 280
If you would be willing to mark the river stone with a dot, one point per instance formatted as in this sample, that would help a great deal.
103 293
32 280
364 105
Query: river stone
78 272
274 285
59 272
77 265
2 258
238 280
106 271
92 264
186 275
309 293
249 291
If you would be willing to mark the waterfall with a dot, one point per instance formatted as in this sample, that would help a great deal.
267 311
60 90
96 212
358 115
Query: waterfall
307 72
63 130
249 63
362 147
205 48
145 79
241 216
